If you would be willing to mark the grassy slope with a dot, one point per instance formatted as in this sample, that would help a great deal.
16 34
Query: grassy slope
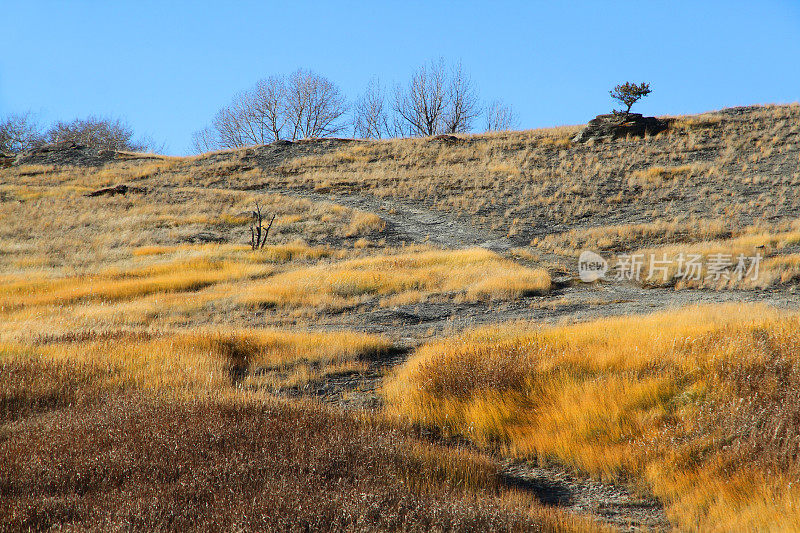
104 297
141 464
698 405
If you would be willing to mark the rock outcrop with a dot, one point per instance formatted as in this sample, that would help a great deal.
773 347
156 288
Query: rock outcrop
615 126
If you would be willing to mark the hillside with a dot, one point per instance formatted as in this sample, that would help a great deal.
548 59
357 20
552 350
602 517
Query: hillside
416 317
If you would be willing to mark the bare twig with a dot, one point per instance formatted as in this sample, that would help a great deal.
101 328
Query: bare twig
258 234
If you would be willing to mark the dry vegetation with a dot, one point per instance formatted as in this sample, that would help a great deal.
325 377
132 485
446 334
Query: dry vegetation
409 277
143 344
724 170
128 360
697 405
143 464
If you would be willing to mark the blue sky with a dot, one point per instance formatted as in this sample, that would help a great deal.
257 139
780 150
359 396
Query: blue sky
166 67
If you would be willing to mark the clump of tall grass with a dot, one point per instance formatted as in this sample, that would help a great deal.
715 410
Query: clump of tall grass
475 274
197 363
698 405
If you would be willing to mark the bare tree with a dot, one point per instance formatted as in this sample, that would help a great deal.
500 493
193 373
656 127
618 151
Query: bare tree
314 105
233 124
370 119
20 133
206 140
257 116
420 107
100 133
437 100
305 105
462 102
258 233
268 107
499 116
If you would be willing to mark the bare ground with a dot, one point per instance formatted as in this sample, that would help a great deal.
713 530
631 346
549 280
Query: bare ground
611 504
412 221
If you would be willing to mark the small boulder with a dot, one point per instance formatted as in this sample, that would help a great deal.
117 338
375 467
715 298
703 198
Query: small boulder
447 139
117 189
204 237
620 125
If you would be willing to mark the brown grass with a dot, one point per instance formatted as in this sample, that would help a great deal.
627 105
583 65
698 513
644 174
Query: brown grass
731 169
134 463
698 405
136 369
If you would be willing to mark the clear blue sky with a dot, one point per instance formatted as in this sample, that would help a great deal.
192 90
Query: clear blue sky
166 67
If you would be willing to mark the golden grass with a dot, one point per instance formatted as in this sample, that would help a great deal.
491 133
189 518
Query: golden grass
694 403
111 286
364 224
627 237
50 227
775 266
114 294
202 362
656 176
472 274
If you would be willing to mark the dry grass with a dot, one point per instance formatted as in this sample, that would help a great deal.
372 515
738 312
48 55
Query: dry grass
697 404
139 464
64 232
779 262
191 364
470 274
739 169
626 237
111 286
136 365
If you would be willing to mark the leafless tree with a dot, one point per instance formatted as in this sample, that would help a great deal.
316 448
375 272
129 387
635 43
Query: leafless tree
499 116
206 140
98 132
420 107
437 100
304 105
370 119
268 107
253 117
462 102
19 133
314 105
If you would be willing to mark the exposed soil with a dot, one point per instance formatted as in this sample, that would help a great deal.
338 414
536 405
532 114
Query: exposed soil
409 221
611 504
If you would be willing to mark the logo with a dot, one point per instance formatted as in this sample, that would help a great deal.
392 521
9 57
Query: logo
591 266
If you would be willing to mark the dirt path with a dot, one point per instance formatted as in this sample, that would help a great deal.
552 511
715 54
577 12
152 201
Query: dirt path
570 299
410 223
610 504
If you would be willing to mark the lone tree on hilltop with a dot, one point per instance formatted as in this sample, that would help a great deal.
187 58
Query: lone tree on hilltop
628 94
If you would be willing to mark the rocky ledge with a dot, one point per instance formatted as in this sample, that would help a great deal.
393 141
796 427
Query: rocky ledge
620 125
